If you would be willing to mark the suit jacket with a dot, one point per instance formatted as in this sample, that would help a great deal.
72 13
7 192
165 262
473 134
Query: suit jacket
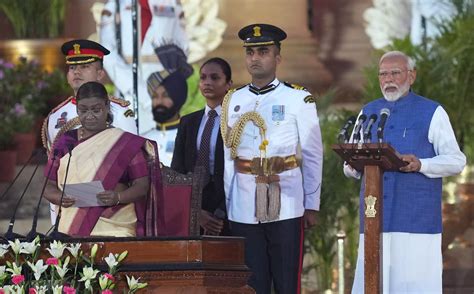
185 157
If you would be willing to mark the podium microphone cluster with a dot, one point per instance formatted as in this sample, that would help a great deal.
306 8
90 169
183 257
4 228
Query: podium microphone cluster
384 114
10 235
368 129
33 233
358 127
344 132
55 234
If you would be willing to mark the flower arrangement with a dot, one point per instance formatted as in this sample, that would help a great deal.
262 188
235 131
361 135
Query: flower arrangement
68 269
24 91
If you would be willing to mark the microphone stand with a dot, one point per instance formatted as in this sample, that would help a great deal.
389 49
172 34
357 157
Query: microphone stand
55 234
32 234
19 173
10 235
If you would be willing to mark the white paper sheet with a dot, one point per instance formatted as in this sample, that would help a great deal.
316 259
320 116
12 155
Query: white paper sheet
85 194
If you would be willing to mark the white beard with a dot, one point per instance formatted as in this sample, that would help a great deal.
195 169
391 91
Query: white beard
394 96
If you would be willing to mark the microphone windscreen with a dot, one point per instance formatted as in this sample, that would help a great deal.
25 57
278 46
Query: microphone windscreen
385 111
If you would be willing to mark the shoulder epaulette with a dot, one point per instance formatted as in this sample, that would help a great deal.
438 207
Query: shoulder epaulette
61 104
121 102
309 99
295 86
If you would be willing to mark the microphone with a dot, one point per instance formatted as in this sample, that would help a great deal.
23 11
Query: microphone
384 114
343 133
33 154
10 235
358 127
32 234
368 129
55 234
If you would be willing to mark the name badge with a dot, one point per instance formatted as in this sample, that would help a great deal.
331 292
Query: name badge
278 112
164 11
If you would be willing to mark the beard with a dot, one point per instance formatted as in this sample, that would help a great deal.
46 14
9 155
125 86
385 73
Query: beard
162 114
399 92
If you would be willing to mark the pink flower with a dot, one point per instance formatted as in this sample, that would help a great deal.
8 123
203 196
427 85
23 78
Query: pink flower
32 291
52 261
19 109
107 292
41 84
1 289
69 290
17 279
8 65
109 277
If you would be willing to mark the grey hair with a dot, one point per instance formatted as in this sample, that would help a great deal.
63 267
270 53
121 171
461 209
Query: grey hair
411 64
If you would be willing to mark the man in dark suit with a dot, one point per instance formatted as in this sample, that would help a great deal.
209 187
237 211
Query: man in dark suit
199 142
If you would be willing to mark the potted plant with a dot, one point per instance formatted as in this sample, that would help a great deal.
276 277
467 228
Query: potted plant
24 91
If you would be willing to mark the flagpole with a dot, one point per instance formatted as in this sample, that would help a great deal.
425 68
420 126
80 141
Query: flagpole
135 61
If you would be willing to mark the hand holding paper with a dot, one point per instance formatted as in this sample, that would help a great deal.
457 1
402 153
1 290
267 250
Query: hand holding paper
85 194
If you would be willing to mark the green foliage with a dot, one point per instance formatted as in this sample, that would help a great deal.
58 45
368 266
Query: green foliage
339 206
35 18
194 101
445 71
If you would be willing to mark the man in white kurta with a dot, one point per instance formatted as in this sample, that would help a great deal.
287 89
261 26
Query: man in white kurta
273 164
420 130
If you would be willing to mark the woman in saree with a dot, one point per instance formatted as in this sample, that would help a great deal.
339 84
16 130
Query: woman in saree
125 164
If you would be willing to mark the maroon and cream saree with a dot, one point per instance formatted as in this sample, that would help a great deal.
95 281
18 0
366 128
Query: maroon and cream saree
111 156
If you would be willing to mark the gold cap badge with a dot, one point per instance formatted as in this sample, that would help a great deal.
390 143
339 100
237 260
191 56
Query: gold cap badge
257 31
77 48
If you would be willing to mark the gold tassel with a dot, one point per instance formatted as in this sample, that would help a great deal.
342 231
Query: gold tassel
261 200
274 201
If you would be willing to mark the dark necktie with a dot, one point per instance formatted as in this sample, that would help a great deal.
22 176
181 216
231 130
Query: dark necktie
205 147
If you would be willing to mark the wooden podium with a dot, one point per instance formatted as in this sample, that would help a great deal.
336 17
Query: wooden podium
202 264
373 160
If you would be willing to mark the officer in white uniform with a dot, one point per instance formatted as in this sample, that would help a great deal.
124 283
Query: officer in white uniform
273 164
161 21
84 58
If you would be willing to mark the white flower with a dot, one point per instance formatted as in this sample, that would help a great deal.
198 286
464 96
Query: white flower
38 269
15 269
56 249
134 285
58 289
3 249
122 256
41 289
111 260
94 249
2 270
15 246
14 289
74 249
63 270
88 274
30 248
